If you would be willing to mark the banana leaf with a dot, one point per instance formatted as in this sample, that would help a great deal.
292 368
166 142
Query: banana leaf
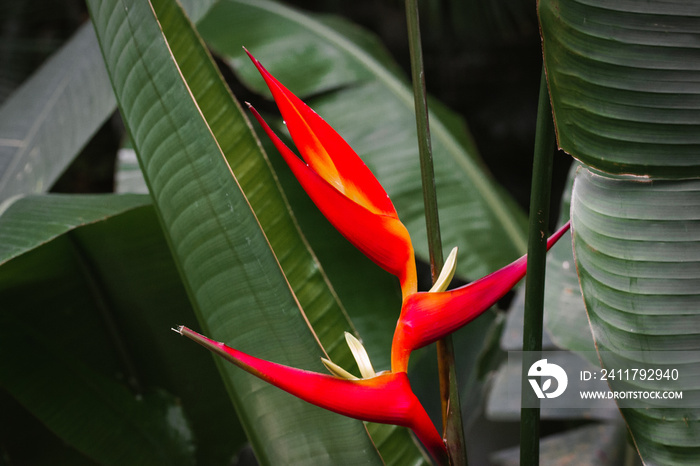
89 289
623 83
638 260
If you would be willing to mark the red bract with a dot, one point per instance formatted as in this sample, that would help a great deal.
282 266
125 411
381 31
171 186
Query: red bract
386 398
427 317
342 186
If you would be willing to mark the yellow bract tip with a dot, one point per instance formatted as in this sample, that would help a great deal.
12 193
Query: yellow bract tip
336 370
361 356
447 272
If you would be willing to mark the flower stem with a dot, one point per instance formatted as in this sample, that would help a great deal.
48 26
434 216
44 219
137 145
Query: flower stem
534 286
449 393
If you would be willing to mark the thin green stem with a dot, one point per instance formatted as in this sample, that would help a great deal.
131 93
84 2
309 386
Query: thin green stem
424 146
453 431
534 286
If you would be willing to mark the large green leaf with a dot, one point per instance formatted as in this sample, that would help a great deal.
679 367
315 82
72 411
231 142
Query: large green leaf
233 277
133 264
369 295
366 99
88 289
623 78
638 257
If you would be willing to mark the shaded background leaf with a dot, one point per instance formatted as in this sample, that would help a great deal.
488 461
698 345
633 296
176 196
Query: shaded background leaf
48 120
28 222
638 260
90 303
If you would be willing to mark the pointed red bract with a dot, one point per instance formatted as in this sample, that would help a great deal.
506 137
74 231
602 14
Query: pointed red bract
427 317
386 398
342 186
326 151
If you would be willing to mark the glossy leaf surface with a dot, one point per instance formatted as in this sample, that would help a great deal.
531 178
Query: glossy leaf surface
46 122
623 78
638 257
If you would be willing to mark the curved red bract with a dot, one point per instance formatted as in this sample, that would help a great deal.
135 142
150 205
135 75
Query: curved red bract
341 185
386 398
428 317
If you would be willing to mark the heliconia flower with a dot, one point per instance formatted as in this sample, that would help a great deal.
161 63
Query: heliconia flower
385 398
428 317
341 185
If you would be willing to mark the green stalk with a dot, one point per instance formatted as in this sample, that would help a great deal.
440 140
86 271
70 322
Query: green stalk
534 286
449 393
